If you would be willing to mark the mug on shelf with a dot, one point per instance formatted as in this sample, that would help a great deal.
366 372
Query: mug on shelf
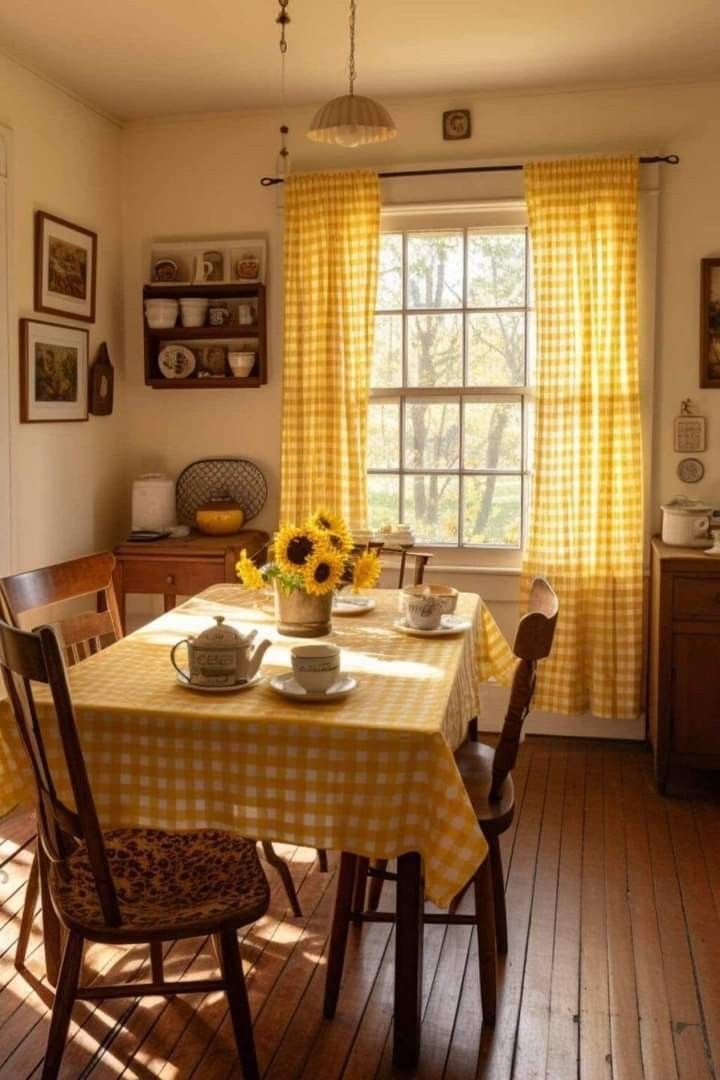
202 268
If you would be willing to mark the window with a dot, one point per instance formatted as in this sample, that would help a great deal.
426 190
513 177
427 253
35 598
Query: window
449 410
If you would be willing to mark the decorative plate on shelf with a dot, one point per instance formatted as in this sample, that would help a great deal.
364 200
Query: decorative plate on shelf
176 361
240 479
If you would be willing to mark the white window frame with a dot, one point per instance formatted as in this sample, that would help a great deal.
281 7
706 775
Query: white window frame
495 214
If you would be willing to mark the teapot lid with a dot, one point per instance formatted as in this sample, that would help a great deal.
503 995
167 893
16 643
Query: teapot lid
220 636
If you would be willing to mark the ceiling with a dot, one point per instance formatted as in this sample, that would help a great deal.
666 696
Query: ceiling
133 59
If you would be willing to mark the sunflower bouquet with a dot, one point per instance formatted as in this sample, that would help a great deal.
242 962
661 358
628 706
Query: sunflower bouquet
315 558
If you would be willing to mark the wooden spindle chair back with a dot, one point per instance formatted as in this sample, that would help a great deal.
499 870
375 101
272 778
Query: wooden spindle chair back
533 642
35 657
80 635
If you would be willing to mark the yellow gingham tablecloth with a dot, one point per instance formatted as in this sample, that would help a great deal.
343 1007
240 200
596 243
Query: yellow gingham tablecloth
373 774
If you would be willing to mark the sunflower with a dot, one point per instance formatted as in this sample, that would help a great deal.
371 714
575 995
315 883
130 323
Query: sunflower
335 529
295 546
366 571
248 572
323 571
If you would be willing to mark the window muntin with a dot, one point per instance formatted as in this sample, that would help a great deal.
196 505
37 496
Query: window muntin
449 398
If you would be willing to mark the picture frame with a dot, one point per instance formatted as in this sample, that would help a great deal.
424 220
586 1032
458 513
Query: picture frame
53 372
710 324
65 268
689 433
457 124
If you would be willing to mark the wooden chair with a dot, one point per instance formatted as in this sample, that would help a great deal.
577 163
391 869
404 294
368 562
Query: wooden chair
487 772
80 635
127 886
419 559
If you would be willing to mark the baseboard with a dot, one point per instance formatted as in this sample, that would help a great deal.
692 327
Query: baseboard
493 704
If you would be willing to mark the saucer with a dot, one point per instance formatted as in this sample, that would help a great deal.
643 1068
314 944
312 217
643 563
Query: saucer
449 624
345 605
232 689
288 686
712 551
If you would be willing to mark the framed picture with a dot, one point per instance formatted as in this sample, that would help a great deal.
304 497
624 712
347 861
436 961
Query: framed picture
53 372
689 434
457 124
710 324
65 268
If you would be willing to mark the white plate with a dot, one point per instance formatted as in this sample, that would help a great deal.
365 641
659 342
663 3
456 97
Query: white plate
356 606
449 624
176 361
257 678
288 686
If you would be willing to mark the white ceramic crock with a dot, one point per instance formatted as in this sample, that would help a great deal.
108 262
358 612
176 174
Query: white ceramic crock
686 523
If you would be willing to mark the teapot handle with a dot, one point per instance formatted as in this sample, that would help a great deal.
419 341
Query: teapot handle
183 674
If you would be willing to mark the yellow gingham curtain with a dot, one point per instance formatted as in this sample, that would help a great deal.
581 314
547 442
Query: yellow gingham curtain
332 233
586 513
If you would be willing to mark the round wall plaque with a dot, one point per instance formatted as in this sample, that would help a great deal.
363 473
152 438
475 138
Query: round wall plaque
690 470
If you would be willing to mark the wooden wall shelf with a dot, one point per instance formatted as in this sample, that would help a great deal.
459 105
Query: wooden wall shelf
155 339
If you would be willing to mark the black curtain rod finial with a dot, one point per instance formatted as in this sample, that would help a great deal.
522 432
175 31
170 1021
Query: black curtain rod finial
667 159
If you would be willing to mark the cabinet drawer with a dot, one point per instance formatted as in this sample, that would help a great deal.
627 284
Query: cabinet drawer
696 597
175 577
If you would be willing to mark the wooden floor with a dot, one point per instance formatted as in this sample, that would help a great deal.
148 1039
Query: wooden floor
613 970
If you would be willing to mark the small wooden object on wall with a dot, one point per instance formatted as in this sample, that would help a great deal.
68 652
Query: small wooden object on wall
65 268
710 324
53 372
457 124
689 430
101 384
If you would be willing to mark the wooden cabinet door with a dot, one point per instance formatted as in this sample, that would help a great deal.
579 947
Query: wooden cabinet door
695 724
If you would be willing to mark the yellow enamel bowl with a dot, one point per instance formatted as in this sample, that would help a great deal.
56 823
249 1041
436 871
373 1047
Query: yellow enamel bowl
219 518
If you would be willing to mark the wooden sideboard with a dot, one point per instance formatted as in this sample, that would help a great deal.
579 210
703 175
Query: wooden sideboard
182 567
684 669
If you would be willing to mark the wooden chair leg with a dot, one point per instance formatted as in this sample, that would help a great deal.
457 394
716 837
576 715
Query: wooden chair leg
31 894
64 1000
473 729
376 885
485 921
238 1001
361 874
322 860
498 879
456 900
284 871
52 931
156 962
339 932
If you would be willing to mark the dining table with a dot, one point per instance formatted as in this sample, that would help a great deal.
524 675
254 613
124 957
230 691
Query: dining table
372 774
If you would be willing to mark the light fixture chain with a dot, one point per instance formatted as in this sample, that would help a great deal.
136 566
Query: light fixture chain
351 63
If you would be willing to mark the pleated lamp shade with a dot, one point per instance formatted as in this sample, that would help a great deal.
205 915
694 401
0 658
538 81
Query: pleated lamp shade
351 120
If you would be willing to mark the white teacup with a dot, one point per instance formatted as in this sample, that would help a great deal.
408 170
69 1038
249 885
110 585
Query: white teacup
424 612
446 593
315 667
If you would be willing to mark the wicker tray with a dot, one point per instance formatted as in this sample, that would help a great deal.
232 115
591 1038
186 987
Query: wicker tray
239 478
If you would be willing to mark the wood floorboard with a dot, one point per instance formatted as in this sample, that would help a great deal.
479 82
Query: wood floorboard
612 973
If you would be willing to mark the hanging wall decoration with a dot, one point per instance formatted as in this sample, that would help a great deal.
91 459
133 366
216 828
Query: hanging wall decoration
101 384
457 124
65 268
689 430
53 372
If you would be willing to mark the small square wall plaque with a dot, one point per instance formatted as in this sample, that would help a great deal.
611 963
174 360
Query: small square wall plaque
457 124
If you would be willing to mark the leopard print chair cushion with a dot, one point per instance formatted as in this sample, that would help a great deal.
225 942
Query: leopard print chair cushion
166 879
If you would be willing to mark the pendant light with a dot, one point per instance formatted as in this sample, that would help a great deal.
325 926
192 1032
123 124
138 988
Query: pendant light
352 120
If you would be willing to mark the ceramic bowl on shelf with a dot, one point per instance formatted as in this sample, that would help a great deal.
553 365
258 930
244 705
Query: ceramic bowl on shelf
193 310
161 314
241 363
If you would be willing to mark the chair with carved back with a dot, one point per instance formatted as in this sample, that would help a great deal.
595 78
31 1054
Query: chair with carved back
87 578
126 886
487 772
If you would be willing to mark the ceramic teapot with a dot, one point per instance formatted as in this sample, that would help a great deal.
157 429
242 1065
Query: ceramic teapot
221 656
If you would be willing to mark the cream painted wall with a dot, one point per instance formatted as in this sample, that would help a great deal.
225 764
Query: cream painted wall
65 478
200 176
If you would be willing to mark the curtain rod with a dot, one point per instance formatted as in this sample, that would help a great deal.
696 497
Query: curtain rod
668 159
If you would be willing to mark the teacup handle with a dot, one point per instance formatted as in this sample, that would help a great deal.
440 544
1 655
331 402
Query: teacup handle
179 670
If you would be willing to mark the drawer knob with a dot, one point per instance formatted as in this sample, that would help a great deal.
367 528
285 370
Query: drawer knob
170 580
